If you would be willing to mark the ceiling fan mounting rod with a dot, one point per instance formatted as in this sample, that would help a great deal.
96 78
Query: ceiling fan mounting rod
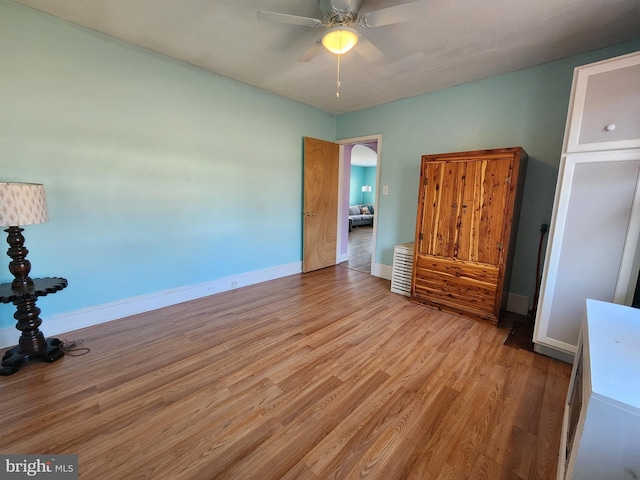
340 12
340 18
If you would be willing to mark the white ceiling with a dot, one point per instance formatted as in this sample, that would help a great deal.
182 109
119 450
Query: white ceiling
456 42
363 156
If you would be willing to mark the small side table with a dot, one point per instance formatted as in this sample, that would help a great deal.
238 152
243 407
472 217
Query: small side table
32 345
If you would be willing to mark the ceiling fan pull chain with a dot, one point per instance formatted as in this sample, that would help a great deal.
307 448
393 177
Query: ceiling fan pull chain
338 83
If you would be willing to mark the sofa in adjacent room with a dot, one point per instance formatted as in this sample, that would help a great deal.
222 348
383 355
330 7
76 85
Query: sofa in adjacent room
360 215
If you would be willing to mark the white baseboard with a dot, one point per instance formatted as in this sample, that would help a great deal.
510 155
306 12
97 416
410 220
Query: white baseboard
87 317
382 271
561 355
518 304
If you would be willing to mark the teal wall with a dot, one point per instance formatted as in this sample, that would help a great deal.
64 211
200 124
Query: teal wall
157 174
369 179
362 176
527 108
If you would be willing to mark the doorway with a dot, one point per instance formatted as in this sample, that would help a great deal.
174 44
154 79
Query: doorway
359 180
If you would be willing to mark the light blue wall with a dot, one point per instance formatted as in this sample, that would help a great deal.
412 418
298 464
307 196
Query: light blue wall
355 185
369 179
362 176
158 174
527 108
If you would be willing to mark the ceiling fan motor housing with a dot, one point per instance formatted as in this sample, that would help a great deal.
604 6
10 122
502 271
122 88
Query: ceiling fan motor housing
340 12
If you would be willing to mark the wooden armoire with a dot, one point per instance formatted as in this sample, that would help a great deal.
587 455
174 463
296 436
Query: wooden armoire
466 225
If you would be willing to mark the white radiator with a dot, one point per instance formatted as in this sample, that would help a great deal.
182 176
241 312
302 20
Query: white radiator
402 269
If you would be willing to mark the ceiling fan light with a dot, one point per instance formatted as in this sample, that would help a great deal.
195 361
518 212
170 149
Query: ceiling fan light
340 39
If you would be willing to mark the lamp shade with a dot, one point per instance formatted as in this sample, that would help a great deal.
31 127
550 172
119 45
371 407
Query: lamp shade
22 204
340 39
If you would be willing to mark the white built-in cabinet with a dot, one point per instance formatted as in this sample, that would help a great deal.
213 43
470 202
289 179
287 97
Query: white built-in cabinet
593 238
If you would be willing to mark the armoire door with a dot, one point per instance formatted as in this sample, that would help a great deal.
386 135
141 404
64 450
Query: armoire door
441 205
463 230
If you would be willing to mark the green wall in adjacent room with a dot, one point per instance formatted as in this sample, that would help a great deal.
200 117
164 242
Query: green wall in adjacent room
361 176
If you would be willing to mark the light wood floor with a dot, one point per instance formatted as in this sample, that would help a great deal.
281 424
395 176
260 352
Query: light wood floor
360 239
316 376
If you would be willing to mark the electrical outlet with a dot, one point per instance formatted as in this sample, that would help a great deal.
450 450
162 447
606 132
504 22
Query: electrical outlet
234 284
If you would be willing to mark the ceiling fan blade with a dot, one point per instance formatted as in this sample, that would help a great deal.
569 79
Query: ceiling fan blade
396 14
311 52
289 19
368 50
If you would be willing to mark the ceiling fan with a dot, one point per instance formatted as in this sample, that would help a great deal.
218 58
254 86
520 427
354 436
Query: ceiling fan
340 17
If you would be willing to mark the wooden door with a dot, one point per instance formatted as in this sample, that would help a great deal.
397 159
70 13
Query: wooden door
440 208
320 204
485 210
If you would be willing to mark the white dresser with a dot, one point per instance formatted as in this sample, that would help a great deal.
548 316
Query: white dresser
601 425
593 236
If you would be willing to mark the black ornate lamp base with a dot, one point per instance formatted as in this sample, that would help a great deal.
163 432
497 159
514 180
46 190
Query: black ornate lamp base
32 344
13 359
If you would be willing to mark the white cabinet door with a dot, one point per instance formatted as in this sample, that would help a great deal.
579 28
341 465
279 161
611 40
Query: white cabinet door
605 110
593 243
